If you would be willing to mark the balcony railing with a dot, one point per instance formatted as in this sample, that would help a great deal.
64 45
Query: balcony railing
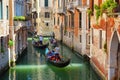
70 5
46 9
80 3
34 10
61 10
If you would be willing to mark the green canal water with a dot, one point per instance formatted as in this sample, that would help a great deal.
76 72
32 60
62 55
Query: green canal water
32 66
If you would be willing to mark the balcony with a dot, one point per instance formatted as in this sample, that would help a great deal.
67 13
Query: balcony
34 9
4 28
80 3
18 25
70 6
61 10
46 9
28 1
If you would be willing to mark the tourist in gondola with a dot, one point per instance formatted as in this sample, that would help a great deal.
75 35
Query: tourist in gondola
41 39
57 49
57 57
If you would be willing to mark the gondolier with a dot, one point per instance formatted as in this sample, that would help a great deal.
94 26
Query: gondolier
41 39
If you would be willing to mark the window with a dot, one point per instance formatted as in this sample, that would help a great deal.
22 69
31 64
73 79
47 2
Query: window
92 5
63 3
58 3
80 17
92 35
89 22
7 11
47 15
2 45
69 34
46 3
35 15
72 20
69 20
58 21
54 20
1 10
66 20
80 38
47 24
88 39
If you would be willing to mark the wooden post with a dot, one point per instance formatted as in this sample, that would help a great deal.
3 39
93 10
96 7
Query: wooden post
11 33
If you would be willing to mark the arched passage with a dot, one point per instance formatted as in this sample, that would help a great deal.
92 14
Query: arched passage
113 57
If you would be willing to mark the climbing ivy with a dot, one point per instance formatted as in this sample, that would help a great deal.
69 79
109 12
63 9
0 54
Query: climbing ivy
107 7
89 11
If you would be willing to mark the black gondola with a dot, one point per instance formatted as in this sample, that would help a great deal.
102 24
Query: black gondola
37 45
60 64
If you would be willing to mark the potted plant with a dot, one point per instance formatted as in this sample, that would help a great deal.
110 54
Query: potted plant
10 42
19 18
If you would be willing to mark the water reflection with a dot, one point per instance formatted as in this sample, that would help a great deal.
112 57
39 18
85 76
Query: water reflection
46 72
32 66
40 53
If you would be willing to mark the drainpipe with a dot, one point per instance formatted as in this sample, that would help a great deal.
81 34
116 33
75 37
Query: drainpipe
11 33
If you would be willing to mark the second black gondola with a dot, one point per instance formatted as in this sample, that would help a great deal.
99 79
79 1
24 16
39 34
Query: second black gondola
43 46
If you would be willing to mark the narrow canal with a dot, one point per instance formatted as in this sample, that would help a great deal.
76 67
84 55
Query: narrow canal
32 66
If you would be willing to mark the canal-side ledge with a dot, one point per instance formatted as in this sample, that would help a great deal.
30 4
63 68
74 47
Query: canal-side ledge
6 67
95 65
98 68
93 62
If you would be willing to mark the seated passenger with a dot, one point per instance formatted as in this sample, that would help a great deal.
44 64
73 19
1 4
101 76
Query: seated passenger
57 49
52 58
57 57
50 54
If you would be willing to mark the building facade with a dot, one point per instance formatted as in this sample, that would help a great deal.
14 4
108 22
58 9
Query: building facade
105 42
13 34
4 34
42 17
77 29
71 23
